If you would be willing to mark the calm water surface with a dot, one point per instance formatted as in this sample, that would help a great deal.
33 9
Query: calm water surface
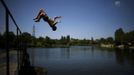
83 60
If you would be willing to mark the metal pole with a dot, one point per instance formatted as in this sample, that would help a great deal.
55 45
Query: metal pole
33 45
7 43
18 65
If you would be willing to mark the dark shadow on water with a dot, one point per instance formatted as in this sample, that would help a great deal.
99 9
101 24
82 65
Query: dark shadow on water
26 67
124 56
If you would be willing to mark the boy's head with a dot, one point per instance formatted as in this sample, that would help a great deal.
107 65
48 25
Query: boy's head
54 28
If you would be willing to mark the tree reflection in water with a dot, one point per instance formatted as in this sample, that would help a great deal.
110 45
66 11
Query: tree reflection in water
124 56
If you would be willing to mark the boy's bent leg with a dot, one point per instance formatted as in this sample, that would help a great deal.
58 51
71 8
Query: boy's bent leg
57 17
39 14
38 19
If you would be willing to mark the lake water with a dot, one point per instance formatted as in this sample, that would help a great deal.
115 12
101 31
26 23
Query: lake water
83 60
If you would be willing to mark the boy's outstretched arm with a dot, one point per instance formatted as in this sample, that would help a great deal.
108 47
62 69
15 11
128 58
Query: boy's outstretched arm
57 17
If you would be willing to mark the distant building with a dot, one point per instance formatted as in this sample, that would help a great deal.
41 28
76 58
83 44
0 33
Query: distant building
107 45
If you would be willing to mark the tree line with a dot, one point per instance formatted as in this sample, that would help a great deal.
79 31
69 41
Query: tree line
65 41
124 38
31 41
120 38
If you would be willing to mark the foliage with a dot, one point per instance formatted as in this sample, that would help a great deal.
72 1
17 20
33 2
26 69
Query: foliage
65 41
124 38
108 40
119 35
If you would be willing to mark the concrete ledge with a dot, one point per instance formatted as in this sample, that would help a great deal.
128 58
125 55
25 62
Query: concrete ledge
40 71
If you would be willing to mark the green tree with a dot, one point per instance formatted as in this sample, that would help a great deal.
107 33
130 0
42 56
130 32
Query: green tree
41 39
34 41
129 37
26 38
63 40
119 36
40 42
48 42
1 41
110 40
102 40
68 39
92 40
11 38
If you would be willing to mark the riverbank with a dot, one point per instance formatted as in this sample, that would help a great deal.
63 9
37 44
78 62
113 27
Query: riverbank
13 63
13 68
116 46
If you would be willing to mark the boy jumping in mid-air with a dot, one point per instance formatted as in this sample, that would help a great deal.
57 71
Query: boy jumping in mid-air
44 16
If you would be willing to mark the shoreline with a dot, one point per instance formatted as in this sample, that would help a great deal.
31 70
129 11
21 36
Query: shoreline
13 64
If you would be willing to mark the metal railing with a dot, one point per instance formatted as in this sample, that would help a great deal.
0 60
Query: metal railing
20 46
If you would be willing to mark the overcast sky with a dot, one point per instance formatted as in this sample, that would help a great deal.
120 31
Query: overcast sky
80 18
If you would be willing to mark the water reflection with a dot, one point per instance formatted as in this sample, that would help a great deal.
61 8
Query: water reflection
124 56
65 53
76 52
87 60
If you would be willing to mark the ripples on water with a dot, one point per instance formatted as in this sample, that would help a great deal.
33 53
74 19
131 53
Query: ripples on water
83 60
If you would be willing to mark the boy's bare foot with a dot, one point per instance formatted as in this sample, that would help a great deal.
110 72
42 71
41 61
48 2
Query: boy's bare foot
36 20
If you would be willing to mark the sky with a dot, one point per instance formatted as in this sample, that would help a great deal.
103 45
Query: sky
80 18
